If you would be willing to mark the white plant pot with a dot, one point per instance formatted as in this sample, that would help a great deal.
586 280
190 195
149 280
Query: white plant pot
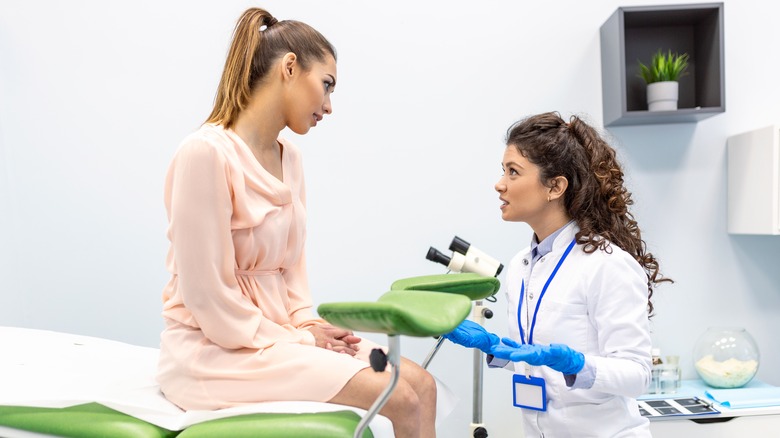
662 96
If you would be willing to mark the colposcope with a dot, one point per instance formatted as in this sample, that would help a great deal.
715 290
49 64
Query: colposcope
467 258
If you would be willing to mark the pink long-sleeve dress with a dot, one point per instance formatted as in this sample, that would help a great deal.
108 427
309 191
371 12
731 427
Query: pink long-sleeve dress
237 306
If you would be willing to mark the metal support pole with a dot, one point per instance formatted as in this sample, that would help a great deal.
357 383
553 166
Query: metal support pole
478 316
394 357
433 352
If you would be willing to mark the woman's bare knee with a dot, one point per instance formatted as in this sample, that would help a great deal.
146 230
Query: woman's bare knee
405 400
402 408
421 380
424 384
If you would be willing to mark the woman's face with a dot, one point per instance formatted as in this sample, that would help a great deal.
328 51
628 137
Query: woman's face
523 197
309 98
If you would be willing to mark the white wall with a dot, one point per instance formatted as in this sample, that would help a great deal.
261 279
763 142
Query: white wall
95 96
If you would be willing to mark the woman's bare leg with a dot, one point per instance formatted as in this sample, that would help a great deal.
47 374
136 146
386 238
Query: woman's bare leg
403 407
423 383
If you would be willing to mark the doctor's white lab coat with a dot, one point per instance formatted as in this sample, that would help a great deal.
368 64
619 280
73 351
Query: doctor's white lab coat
597 305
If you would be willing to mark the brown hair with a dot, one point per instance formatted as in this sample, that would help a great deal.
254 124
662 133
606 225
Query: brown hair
258 41
596 197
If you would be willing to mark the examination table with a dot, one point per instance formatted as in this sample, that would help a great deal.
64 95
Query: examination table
62 385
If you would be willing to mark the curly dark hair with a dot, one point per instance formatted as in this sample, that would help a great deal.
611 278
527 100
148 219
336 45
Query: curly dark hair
596 197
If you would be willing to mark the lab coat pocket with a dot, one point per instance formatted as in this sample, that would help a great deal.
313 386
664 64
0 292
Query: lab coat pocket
566 323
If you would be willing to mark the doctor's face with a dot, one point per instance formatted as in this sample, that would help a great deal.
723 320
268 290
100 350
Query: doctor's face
523 196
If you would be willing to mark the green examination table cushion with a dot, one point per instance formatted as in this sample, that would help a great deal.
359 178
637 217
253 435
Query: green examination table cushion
474 286
89 420
93 420
339 424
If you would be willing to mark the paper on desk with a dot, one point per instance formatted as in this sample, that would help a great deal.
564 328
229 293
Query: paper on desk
746 397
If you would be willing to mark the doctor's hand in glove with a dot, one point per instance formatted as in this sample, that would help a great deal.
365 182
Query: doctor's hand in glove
556 356
472 335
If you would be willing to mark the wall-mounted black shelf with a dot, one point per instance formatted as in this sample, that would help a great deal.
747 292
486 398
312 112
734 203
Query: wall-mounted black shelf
634 34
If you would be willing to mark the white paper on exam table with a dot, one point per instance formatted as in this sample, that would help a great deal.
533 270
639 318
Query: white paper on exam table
53 369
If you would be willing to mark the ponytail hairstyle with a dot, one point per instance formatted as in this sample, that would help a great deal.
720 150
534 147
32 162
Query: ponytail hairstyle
259 40
596 197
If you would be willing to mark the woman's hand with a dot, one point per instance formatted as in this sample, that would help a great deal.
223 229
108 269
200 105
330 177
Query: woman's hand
334 338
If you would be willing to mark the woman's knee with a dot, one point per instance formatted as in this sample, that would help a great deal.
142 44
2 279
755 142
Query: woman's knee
404 398
423 382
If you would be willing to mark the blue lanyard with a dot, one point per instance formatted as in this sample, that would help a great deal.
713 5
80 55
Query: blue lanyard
544 289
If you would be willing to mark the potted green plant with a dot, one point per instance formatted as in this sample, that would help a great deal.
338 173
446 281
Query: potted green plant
661 77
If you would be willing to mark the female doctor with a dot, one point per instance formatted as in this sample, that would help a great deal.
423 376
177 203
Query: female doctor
578 297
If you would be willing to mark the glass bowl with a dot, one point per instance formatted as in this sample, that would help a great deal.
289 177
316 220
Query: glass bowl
726 357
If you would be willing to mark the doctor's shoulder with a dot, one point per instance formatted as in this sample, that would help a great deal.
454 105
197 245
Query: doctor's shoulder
610 258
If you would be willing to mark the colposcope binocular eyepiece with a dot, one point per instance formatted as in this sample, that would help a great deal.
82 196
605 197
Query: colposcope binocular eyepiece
466 258
435 255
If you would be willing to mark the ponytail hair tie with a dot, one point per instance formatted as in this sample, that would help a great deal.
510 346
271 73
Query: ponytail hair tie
269 21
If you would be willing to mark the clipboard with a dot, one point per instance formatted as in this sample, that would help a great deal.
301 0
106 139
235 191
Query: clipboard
676 407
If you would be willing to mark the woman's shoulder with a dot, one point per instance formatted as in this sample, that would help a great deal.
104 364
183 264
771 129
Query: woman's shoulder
207 134
208 140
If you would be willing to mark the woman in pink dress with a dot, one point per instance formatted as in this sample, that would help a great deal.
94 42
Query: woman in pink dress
239 326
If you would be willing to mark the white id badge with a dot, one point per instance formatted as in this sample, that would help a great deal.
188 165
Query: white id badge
529 392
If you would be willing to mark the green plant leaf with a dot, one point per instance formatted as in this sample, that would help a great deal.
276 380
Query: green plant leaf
664 67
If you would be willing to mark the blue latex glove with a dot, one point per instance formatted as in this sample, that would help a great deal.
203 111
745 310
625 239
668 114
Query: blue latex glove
556 356
472 335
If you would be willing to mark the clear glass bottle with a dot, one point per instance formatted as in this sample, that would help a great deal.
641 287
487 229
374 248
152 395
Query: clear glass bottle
726 357
655 374
674 361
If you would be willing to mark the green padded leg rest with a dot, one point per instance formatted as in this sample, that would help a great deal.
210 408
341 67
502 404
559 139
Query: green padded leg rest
89 420
474 286
339 424
396 313
410 313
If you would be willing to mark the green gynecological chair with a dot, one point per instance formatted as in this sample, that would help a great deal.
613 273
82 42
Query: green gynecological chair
426 306
477 288
417 306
